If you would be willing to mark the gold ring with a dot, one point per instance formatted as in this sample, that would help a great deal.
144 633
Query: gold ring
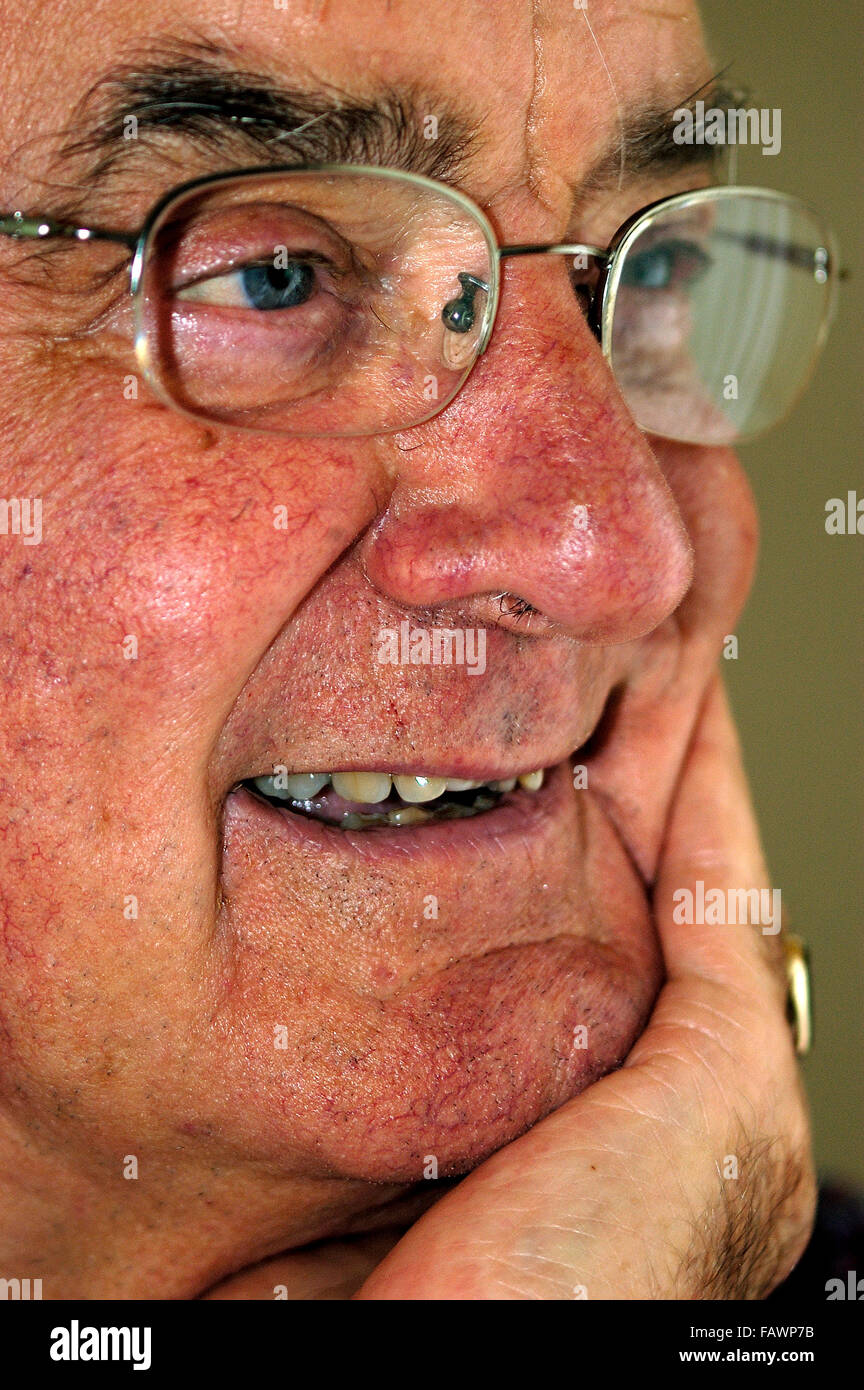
799 1007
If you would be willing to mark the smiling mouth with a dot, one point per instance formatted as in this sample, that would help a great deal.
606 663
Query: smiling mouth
371 800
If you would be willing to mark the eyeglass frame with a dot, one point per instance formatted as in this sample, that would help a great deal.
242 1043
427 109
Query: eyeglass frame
601 299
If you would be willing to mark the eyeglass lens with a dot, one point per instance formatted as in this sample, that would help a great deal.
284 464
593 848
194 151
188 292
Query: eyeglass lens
717 312
314 303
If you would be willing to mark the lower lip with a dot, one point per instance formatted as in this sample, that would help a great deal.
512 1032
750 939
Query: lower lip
545 926
519 813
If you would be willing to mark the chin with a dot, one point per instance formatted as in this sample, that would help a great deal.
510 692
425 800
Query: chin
417 1045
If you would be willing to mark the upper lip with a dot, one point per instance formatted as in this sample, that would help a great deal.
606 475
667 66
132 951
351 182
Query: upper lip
422 767
566 730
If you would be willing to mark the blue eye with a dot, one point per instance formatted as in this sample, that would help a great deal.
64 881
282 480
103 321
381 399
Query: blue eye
255 287
266 287
662 266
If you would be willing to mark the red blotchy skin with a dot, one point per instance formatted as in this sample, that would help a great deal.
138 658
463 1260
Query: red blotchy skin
159 931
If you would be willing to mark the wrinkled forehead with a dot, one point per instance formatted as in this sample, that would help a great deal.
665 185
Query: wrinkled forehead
519 81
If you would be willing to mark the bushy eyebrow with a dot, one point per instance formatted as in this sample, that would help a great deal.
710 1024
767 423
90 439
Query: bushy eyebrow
196 91
649 150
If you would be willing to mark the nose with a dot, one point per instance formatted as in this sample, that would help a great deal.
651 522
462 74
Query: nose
535 481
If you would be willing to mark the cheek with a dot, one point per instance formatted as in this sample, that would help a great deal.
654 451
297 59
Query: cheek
636 771
167 564
171 555
714 497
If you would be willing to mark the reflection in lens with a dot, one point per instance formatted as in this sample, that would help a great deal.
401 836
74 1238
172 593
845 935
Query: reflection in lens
718 308
665 265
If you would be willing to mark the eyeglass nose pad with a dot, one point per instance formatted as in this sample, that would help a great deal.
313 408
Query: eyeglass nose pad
458 316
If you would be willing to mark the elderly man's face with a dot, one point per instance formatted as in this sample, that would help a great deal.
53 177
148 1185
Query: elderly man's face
270 1011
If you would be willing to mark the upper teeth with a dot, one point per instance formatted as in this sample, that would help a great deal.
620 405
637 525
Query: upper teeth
374 787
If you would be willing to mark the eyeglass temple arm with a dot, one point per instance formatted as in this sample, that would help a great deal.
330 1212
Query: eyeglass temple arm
43 228
803 257
556 248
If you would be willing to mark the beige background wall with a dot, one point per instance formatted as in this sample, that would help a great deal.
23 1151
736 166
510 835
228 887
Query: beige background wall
797 684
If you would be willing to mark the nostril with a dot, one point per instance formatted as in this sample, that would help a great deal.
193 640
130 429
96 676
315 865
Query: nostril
515 607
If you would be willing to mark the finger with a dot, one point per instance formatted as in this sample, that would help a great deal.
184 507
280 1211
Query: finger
717 913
